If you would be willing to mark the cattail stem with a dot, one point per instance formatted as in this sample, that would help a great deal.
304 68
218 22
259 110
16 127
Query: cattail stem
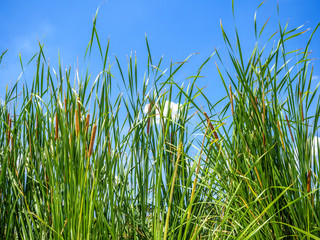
198 167
12 142
278 124
149 120
231 100
79 105
264 108
65 108
37 126
256 170
8 137
9 131
77 122
171 192
30 145
301 106
263 115
57 127
78 117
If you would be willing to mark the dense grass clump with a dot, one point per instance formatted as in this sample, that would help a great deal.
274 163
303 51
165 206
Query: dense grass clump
79 161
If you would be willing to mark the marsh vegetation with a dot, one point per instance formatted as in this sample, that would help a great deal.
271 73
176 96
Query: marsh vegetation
81 161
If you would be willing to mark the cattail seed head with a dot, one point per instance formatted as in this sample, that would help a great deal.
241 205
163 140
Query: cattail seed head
109 144
210 125
212 128
87 122
79 104
93 135
309 181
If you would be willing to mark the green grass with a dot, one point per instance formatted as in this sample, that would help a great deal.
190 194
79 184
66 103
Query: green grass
80 162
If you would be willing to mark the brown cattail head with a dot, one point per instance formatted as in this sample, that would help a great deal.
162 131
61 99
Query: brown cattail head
87 122
231 100
208 121
254 103
77 122
309 181
93 135
57 127
79 105
212 128
109 144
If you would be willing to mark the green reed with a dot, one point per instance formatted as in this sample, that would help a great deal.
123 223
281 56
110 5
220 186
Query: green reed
79 161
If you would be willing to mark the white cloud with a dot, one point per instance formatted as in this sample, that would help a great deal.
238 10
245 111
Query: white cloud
315 148
315 77
173 107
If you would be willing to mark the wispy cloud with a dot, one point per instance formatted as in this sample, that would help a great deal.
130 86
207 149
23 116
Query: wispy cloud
315 77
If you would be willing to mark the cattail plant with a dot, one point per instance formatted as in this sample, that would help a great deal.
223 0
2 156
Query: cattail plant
250 175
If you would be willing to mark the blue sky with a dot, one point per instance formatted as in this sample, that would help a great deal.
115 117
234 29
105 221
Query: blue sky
174 29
